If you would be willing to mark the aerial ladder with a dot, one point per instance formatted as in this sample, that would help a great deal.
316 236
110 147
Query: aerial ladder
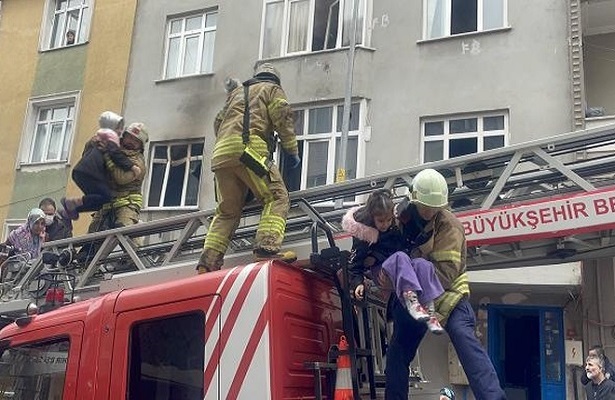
536 190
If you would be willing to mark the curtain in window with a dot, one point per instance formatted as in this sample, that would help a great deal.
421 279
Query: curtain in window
348 4
272 36
436 18
298 26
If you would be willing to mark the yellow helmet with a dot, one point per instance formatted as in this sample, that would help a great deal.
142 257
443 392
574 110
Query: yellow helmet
430 189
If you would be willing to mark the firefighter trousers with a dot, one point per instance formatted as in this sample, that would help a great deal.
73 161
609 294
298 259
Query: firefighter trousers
232 185
460 326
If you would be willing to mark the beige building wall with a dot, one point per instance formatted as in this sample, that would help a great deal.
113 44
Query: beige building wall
19 35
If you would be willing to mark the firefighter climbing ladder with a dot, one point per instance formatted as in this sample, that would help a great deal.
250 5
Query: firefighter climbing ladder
581 161
564 165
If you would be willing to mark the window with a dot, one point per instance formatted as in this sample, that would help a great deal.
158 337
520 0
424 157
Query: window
69 22
167 358
34 371
449 137
190 45
299 26
175 175
452 17
319 134
49 130
9 226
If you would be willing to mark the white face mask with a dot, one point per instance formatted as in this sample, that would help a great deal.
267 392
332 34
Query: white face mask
48 219
589 375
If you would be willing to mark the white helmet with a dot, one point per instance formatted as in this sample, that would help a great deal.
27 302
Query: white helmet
430 189
111 120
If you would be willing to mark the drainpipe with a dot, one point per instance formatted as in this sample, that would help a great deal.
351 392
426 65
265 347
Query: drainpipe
341 170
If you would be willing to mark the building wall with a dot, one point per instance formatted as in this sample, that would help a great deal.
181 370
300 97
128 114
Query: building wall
97 69
403 77
19 33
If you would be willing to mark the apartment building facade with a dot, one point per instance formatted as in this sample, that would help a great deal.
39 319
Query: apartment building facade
432 80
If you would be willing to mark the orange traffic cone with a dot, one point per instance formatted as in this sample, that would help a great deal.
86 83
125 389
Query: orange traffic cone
343 380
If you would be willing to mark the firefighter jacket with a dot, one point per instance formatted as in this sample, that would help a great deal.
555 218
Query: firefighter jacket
126 188
369 246
269 112
441 241
92 162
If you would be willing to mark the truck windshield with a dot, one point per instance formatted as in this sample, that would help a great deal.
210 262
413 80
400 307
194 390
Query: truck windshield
34 371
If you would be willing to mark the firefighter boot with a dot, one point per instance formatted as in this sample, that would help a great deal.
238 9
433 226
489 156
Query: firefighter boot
209 261
261 254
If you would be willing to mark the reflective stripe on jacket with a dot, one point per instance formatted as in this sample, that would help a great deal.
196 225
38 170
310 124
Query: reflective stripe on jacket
446 249
269 112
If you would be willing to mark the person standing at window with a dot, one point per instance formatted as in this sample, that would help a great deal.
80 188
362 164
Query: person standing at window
435 234
241 161
70 37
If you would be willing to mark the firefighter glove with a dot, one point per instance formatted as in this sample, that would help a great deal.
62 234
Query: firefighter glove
293 161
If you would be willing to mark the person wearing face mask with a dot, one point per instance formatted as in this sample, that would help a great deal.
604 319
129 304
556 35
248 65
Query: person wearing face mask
28 238
598 387
57 224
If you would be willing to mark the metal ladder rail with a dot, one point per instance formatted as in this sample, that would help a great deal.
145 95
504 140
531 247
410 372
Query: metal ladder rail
562 144
330 262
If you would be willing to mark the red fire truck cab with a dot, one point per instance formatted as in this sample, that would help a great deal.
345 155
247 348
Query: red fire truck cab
238 333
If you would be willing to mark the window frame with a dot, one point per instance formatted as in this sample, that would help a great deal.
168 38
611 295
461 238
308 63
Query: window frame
84 23
167 162
448 16
365 6
361 134
480 132
35 104
10 225
185 34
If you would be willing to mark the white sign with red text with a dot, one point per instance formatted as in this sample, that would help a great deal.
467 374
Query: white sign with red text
556 217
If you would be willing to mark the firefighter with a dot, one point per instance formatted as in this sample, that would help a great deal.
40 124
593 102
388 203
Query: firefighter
125 206
434 233
242 161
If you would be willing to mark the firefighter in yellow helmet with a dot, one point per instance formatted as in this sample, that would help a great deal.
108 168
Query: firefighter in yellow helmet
433 232
126 203
242 161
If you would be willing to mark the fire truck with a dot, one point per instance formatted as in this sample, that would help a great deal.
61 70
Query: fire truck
131 319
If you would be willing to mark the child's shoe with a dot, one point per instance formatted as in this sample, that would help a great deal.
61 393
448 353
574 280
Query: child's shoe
415 309
434 326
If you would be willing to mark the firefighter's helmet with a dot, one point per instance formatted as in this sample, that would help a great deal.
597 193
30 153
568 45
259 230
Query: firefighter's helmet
267 69
138 130
111 120
429 188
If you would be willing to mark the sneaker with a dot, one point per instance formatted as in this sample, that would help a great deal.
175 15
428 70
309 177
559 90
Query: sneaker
70 207
434 326
286 256
415 309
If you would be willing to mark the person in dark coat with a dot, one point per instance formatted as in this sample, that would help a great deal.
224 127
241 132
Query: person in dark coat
609 369
57 224
90 173
598 387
